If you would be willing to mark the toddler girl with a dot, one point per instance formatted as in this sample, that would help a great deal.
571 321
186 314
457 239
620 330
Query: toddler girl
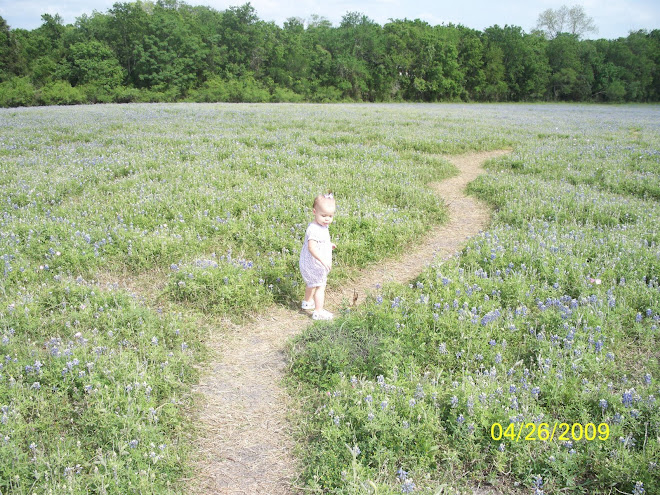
316 256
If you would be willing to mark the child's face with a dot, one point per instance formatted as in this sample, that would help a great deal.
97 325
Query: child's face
324 213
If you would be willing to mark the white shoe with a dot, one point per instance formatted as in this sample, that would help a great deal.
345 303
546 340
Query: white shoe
322 315
308 305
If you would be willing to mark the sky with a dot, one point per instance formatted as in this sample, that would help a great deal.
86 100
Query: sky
614 18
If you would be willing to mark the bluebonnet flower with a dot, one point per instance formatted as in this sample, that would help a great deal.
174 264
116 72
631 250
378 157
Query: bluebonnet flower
639 488
454 401
627 398
538 481
401 474
603 404
408 486
647 379
628 441
490 317
460 420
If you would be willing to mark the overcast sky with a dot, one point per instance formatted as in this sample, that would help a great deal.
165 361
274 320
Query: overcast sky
614 18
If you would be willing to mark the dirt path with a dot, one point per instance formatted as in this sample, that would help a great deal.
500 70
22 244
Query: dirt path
244 445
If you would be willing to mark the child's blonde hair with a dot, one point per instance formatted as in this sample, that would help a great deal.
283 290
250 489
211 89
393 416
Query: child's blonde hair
329 197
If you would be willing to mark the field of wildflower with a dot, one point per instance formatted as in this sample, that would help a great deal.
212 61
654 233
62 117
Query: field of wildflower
549 316
531 360
208 205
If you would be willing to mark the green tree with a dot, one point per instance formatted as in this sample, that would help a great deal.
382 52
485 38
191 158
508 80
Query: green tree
206 23
565 65
427 65
360 57
238 38
635 54
291 67
124 32
493 87
170 56
471 61
525 67
41 49
9 60
92 63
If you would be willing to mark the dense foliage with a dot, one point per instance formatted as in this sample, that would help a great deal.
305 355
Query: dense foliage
171 51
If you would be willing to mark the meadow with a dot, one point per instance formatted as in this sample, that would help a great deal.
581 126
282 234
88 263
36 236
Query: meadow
550 315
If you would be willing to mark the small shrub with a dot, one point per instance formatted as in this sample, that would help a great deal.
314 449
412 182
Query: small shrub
61 93
17 92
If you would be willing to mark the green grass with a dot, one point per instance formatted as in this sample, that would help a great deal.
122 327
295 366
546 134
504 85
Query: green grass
551 316
95 384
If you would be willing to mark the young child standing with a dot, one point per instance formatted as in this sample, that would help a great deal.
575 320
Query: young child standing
316 256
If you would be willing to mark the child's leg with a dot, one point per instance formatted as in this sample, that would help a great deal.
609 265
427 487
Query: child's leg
319 297
309 293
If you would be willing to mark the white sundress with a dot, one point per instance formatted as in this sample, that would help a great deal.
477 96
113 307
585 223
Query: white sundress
313 272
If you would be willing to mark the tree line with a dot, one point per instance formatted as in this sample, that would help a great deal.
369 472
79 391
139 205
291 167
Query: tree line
170 51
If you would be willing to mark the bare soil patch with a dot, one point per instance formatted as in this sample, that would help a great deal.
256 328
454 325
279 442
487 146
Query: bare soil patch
245 445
